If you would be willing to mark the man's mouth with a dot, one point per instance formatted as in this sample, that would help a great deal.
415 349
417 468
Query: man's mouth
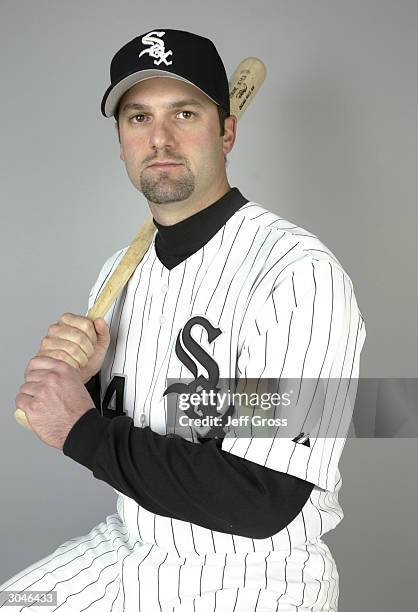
164 165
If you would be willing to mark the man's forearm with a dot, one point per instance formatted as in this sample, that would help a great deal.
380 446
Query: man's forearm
198 483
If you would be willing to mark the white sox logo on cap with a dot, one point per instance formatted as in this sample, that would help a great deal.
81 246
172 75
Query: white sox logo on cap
157 49
152 55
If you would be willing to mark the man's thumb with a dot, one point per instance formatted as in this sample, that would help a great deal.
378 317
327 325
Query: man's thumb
102 330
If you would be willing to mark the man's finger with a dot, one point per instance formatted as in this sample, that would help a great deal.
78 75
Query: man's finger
23 401
65 350
82 323
31 388
41 362
72 334
57 356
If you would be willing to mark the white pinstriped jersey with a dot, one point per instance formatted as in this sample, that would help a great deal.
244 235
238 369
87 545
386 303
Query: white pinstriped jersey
284 307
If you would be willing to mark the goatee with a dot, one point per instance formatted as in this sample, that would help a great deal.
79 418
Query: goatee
165 188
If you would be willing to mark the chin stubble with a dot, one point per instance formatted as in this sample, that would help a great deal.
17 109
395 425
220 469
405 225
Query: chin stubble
161 187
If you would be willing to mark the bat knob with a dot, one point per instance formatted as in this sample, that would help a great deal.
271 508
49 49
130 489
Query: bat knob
20 417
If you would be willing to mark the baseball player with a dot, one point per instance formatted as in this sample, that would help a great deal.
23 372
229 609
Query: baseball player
211 515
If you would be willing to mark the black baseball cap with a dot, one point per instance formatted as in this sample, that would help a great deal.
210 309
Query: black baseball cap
169 53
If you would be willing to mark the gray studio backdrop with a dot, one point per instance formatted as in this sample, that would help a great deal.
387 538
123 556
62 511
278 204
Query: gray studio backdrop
330 144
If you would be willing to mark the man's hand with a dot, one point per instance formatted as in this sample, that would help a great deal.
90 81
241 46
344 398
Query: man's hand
53 397
79 342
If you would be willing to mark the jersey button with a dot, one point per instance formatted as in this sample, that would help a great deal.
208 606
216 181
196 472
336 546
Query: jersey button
162 320
164 289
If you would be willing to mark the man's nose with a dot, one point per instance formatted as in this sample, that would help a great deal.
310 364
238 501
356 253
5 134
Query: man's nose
161 134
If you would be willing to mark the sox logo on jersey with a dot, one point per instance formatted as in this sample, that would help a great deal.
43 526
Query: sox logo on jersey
190 354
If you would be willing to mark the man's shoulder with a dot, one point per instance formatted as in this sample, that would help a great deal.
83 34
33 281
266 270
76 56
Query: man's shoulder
107 269
282 237
112 261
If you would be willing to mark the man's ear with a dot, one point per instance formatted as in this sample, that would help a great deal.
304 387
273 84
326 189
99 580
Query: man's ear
228 138
120 152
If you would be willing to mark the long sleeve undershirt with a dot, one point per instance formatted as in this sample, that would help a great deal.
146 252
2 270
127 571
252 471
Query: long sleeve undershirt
170 476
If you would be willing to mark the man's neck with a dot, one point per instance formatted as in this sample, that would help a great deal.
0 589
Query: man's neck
174 212
175 243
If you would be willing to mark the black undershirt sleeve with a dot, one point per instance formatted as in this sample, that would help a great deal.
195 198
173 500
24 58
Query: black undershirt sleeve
197 483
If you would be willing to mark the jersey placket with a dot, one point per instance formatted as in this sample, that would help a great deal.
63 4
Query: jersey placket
158 339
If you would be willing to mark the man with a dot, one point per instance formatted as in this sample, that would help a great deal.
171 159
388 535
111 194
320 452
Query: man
210 516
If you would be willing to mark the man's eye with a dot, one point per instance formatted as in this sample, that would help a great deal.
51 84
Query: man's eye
186 112
135 117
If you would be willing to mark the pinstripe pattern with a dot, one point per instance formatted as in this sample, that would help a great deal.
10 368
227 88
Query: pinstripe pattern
147 578
286 309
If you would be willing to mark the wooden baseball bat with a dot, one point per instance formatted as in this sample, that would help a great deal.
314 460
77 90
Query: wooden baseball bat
243 86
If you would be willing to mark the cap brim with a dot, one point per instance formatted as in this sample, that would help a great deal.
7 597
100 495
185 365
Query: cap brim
115 92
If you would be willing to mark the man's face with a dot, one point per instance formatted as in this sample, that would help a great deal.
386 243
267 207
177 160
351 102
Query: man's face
164 119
